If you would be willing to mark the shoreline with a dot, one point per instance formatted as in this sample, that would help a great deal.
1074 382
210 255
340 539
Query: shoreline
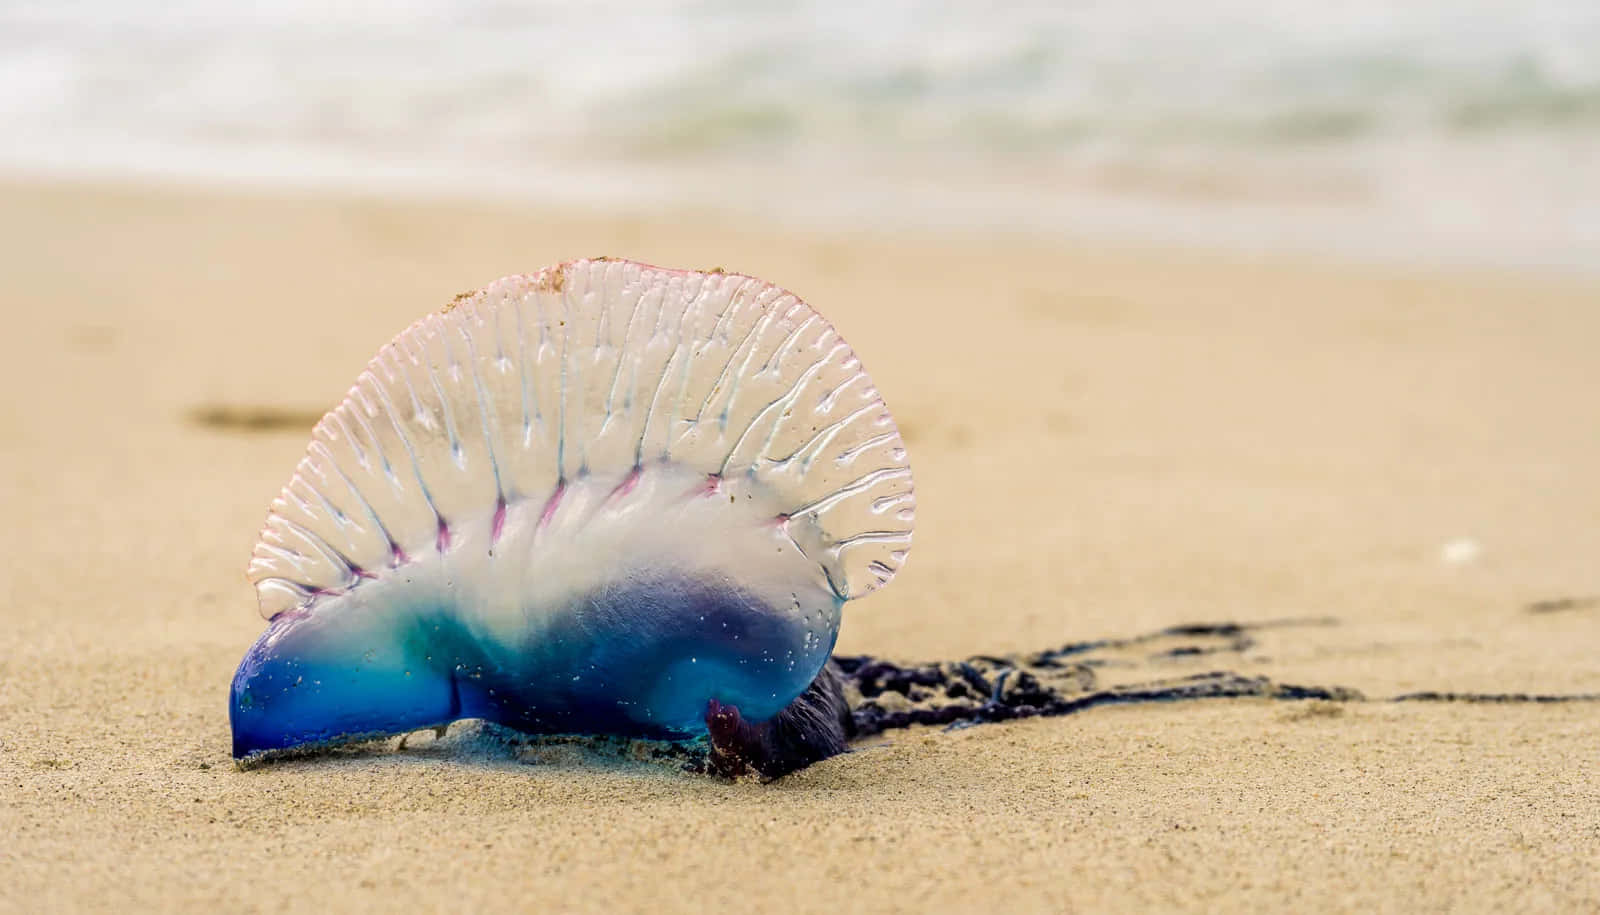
1122 210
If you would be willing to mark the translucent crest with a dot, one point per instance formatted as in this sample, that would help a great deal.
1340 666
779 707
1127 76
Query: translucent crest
598 368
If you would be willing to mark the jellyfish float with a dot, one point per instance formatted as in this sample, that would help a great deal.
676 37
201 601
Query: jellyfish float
604 498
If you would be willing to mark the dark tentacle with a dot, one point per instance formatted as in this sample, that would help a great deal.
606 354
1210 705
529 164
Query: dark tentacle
859 696
815 726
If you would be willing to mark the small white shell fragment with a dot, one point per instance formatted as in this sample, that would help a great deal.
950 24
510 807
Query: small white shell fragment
1460 551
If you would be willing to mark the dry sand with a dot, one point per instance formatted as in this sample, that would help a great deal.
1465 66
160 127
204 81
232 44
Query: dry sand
1106 442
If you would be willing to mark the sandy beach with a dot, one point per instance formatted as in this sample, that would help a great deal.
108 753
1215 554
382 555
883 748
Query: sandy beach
1106 441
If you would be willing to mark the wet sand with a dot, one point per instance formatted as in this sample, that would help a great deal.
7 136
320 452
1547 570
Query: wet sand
1107 442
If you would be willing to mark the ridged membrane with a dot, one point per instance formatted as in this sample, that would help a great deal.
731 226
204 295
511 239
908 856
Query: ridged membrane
596 368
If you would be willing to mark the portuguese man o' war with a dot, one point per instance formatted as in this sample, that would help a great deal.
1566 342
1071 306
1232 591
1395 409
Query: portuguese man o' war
606 498
617 500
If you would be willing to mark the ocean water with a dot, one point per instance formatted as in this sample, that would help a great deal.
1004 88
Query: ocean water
1455 130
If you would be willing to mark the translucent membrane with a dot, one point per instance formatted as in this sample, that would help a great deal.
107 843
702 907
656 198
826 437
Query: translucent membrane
594 369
